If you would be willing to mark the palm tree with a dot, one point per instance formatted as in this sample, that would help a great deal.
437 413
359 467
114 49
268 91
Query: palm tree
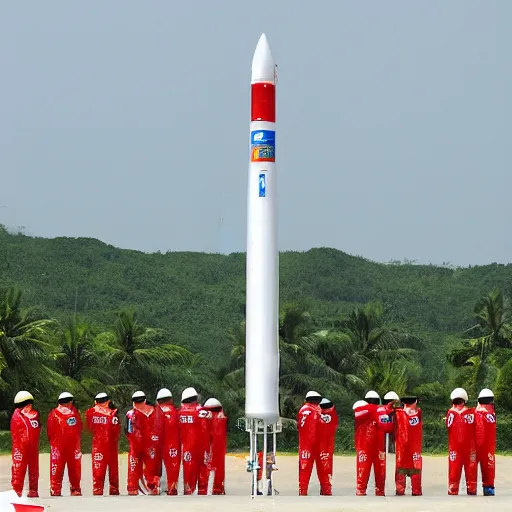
363 349
340 353
385 375
492 332
25 346
493 327
301 366
137 353
372 338
78 358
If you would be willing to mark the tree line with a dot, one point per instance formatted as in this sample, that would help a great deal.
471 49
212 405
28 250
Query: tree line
360 350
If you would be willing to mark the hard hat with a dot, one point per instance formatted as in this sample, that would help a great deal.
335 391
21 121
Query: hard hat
372 394
22 396
459 393
101 396
66 395
188 393
313 394
163 393
391 395
138 394
326 403
212 403
359 403
486 393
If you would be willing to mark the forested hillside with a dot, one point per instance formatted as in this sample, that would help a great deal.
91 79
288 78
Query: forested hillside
86 292
199 297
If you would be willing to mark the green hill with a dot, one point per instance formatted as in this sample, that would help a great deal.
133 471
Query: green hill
197 301
198 297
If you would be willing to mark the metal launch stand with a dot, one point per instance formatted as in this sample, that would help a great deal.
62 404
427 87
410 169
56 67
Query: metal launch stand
257 428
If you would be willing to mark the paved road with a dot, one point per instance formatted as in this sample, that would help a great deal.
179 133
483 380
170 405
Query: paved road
237 487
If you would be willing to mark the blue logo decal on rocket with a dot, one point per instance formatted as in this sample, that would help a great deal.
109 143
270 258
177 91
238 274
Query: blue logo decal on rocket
263 146
262 185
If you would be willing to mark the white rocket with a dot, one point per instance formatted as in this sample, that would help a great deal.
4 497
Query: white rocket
262 287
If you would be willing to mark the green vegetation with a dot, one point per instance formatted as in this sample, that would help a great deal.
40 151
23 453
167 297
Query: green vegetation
80 315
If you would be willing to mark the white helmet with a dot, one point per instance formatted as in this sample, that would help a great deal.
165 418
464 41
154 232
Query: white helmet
66 395
163 393
325 401
459 393
391 395
22 396
188 393
212 403
313 394
486 393
138 394
101 396
372 394
359 403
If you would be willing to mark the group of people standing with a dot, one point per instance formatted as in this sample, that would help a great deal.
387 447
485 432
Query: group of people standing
471 441
193 436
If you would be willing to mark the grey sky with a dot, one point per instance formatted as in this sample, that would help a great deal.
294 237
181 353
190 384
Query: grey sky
127 121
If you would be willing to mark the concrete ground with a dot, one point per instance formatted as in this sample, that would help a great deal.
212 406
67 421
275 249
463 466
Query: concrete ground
238 488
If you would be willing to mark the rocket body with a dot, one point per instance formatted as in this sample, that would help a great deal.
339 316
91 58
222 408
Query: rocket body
262 266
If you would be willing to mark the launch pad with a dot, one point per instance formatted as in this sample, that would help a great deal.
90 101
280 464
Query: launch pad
259 429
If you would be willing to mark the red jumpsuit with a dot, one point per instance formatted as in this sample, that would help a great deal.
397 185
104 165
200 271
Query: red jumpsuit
408 448
460 422
171 447
144 433
105 427
327 425
195 449
64 429
372 422
307 425
25 432
218 443
485 426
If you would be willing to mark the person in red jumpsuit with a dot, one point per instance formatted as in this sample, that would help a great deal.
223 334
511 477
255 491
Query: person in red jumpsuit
195 447
25 432
371 423
485 427
64 429
218 443
102 421
327 426
195 442
144 426
460 423
171 446
307 426
409 442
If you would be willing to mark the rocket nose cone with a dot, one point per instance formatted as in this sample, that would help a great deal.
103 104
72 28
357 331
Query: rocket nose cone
263 68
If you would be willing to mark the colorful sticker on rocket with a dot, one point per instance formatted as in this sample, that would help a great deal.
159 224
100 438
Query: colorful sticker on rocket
262 185
263 146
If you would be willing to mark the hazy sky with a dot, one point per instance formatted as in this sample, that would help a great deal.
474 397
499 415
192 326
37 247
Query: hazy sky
128 121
